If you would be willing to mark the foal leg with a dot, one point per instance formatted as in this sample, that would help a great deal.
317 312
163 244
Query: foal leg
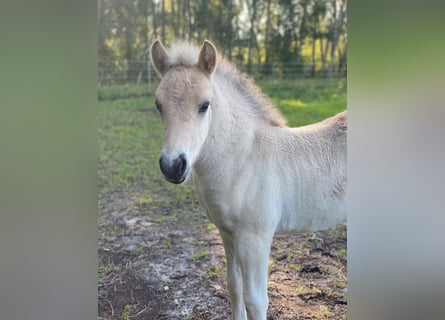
253 254
234 280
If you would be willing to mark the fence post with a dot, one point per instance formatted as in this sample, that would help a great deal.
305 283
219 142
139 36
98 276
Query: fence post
148 67
149 73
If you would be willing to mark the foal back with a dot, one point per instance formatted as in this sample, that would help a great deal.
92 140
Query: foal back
310 163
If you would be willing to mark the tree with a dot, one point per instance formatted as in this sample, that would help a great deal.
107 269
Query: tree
279 32
318 12
338 22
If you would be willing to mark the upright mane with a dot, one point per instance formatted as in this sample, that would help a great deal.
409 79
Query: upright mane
183 53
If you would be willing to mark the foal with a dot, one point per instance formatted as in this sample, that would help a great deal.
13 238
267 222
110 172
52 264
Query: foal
254 176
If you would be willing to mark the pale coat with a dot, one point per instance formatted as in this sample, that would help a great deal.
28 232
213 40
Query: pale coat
254 176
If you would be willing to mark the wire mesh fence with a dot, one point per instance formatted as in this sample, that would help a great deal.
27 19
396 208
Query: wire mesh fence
112 72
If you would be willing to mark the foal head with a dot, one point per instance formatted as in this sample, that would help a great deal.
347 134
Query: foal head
183 99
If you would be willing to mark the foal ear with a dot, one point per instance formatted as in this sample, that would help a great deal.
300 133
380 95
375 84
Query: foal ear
207 58
159 57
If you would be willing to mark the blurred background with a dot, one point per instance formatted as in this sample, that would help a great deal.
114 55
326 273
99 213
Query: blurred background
265 38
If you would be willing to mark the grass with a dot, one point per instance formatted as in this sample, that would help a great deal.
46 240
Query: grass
130 136
112 92
201 255
213 272
308 101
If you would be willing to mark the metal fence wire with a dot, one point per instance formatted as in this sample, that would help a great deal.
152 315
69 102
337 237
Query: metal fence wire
111 72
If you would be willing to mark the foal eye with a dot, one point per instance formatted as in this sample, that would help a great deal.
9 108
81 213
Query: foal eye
158 105
203 108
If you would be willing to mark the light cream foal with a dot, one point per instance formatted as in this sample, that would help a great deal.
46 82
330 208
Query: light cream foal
254 175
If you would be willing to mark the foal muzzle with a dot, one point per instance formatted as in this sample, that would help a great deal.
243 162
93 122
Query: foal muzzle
175 170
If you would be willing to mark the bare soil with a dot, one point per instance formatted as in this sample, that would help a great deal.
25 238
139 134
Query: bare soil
167 262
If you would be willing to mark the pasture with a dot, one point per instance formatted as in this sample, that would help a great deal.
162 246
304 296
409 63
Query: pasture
160 258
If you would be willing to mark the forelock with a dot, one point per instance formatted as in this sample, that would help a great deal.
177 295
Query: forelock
183 53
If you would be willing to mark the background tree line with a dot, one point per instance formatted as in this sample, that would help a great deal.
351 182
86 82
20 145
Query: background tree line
284 37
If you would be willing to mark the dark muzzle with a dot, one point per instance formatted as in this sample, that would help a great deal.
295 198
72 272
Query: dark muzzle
174 170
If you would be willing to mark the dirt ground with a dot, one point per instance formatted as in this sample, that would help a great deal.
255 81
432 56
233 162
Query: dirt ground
167 262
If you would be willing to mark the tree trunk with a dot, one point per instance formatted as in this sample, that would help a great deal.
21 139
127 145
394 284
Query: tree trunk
154 21
144 28
252 34
314 38
230 36
186 20
342 60
163 21
173 21
338 25
301 35
323 56
267 35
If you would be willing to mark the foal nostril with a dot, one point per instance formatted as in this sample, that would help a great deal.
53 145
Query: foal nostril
182 164
163 165
174 170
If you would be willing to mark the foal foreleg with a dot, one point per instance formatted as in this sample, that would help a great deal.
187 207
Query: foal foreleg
234 280
253 254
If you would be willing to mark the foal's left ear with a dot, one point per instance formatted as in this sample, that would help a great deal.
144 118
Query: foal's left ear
159 57
207 58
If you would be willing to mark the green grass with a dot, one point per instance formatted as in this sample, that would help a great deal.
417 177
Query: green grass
130 136
112 92
306 101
